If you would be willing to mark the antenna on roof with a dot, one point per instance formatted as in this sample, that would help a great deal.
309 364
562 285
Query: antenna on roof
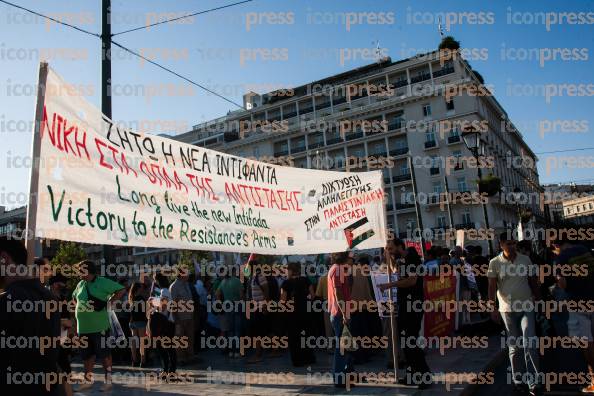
378 51
440 28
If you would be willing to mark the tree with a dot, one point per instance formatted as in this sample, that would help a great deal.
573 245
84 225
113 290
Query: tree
448 42
68 254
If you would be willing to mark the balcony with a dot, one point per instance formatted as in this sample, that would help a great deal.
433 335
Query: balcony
339 100
403 206
401 178
400 84
420 77
395 125
298 149
289 115
381 153
321 106
334 140
305 110
464 226
454 139
434 171
354 135
399 151
230 136
430 144
314 145
443 72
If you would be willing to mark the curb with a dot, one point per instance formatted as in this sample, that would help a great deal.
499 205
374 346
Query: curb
470 389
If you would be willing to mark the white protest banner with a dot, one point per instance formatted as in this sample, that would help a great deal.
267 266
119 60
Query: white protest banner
382 297
100 183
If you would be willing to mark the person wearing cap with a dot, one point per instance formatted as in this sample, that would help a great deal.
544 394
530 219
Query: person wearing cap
513 278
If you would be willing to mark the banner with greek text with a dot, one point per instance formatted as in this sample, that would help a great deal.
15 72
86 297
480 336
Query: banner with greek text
104 184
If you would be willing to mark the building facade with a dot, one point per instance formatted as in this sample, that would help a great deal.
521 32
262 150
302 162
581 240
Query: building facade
389 115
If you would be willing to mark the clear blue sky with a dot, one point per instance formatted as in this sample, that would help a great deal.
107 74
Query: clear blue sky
208 48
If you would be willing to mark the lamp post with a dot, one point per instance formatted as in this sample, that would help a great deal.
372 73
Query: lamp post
473 142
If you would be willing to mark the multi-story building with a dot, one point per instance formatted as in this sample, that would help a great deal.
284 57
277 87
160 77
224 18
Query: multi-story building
557 194
386 113
579 211
13 223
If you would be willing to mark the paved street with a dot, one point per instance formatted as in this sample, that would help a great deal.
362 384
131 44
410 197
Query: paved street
215 374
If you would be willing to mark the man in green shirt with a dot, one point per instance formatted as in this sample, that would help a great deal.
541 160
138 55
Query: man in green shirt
92 295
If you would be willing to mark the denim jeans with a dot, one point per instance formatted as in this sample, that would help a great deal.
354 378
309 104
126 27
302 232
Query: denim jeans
342 362
522 344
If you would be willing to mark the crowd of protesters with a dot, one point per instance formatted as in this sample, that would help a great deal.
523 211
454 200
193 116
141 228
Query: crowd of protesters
251 301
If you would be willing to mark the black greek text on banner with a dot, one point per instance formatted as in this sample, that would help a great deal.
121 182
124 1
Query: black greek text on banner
102 183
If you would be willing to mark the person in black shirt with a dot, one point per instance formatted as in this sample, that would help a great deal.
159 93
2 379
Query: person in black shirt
409 288
299 290
17 322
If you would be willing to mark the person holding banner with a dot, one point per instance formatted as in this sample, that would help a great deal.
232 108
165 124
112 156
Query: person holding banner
409 290
340 283
92 295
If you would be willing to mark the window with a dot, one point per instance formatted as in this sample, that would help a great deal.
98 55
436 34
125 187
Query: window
466 217
458 157
434 170
441 222
437 188
256 152
404 169
427 110
430 135
461 184
450 105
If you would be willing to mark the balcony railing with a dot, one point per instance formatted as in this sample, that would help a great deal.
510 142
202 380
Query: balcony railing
401 178
395 124
430 144
421 77
355 135
321 106
443 72
314 145
292 114
298 149
402 206
381 153
399 151
400 84
464 226
334 140
453 139
305 110
339 100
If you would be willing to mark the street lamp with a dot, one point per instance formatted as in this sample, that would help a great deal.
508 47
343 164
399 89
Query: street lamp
472 140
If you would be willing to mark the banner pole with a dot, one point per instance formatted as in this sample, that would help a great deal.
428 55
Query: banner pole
31 242
389 268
